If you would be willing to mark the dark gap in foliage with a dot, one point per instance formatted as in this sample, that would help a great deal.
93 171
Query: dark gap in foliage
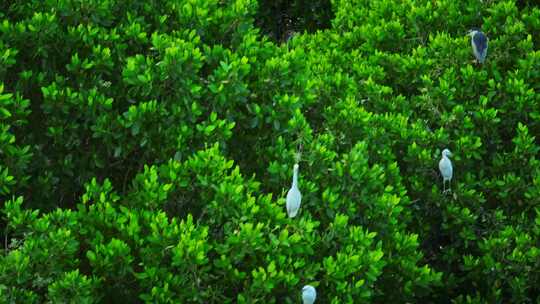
521 4
279 19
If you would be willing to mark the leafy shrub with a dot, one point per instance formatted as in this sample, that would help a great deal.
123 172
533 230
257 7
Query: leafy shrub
146 149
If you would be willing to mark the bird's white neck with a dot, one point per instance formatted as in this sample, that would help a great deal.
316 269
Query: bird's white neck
295 177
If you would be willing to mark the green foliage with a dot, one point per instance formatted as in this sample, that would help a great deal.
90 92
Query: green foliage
146 149
14 159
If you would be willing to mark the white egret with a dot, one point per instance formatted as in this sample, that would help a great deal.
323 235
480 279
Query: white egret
445 166
309 294
294 197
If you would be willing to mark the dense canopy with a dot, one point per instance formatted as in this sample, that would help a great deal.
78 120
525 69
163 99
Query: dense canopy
147 147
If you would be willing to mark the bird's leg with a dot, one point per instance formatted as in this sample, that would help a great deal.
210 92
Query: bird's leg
444 185
446 191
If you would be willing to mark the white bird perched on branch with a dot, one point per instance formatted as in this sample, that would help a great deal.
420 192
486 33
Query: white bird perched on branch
294 197
445 166
309 294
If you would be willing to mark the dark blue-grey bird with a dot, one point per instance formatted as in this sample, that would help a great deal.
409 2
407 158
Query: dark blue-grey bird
479 43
